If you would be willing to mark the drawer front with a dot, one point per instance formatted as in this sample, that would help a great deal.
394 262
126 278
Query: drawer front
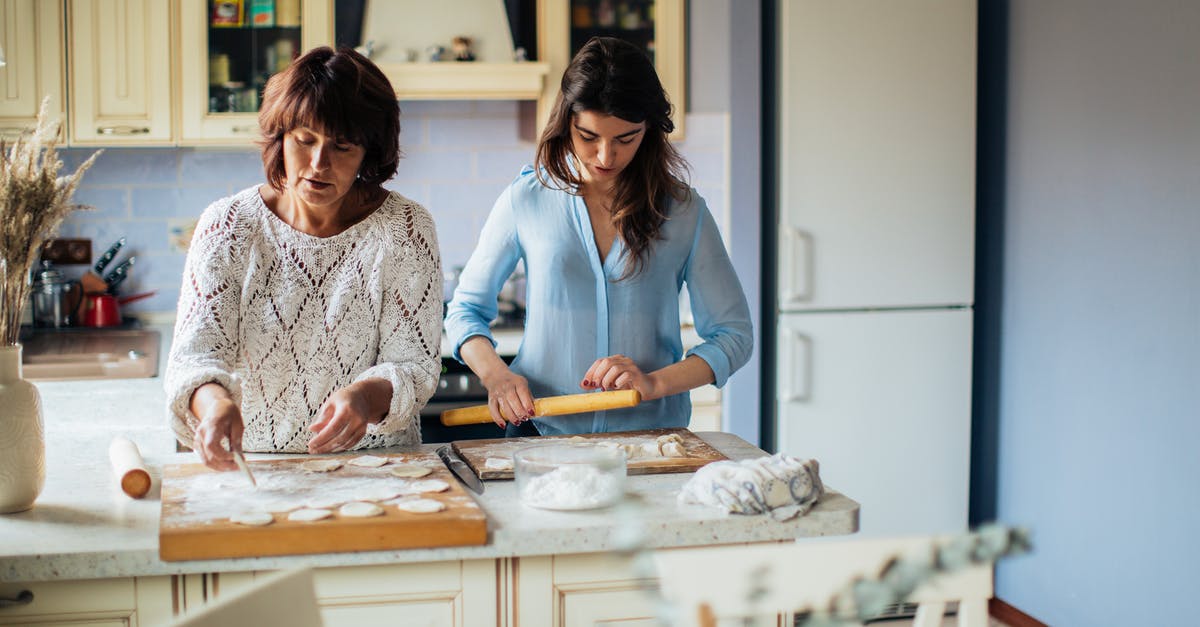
101 602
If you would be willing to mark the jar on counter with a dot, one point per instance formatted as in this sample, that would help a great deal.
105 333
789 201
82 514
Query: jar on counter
54 298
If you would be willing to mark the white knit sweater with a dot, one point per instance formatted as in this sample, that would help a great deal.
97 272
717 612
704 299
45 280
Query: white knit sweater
283 319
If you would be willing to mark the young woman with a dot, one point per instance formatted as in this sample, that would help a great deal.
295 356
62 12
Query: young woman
609 232
310 313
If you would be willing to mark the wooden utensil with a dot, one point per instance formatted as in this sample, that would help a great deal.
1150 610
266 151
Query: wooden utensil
549 406
128 467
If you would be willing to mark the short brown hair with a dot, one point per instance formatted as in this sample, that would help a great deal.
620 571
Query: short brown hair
344 94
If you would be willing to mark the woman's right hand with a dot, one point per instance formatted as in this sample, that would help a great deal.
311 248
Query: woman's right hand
508 395
220 423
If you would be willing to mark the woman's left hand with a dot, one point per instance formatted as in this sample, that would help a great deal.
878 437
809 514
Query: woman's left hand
618 372
341 422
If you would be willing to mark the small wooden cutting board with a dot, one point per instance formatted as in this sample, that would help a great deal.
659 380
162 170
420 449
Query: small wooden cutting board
197 503
700 453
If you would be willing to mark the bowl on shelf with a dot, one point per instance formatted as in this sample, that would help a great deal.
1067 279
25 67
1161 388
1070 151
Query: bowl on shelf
569 476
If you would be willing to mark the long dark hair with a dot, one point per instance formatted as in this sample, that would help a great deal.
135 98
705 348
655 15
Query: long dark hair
614 77
342 92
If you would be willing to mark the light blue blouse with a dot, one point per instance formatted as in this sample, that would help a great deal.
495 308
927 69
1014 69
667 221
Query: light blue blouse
577 311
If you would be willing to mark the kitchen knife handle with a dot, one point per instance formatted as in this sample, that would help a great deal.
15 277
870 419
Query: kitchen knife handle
114 278
549 406
108 255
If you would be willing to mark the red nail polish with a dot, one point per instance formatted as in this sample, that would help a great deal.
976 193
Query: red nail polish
587 383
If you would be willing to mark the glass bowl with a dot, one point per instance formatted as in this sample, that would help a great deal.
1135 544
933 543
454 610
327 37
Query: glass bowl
571 476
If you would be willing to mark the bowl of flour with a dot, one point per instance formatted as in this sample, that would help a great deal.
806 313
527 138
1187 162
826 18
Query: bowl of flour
569 476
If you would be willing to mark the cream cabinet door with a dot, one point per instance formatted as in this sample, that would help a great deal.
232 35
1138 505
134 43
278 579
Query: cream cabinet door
706 409
200 121
122 602
437 594
120 71
582 591
563 26
31 35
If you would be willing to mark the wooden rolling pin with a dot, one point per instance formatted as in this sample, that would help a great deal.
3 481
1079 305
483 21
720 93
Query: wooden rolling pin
128 467
549 406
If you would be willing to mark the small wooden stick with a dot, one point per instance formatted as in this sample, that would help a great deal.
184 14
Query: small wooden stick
128 467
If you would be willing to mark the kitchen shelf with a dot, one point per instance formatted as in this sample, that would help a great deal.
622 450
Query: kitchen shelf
449 80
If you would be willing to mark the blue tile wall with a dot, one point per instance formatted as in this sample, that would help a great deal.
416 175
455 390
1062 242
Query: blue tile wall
457 157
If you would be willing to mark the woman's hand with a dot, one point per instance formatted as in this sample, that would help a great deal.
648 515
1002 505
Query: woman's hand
618 372
220 422
508 395
343 417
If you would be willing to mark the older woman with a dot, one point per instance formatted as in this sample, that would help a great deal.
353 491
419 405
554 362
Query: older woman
310 314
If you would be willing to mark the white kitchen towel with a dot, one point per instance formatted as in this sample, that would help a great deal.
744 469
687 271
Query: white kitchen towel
781 485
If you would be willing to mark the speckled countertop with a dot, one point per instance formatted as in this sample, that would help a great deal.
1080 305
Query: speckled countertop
83 526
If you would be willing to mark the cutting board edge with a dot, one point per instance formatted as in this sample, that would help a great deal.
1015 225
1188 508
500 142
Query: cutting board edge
177 545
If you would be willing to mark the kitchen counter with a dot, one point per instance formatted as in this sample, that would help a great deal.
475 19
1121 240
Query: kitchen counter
83 527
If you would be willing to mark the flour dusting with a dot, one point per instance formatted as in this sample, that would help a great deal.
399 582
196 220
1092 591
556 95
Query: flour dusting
572 487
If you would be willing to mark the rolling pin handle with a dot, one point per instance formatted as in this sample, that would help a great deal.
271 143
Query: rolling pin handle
128 467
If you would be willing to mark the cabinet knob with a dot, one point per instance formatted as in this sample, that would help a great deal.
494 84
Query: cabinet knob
253 128
123 130
24 597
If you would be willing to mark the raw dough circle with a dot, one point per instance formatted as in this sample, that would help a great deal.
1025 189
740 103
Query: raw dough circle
410 471
368 461
281 506
498 463
359 509
322 465
309 515
428 485
325 501
253 519
379 493
421 506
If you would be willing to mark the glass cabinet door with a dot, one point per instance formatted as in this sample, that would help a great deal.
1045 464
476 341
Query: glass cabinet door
230 49
631 20
655 26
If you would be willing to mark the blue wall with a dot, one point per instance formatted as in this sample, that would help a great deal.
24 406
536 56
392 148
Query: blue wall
1099 309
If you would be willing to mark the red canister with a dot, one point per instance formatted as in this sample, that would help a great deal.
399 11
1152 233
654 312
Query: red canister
102 310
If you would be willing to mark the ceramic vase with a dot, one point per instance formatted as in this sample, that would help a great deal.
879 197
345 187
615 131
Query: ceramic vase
22 439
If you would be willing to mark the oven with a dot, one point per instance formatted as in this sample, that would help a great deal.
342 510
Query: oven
458 387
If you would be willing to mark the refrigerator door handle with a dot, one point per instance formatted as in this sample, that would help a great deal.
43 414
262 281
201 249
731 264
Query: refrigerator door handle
797 370
796 266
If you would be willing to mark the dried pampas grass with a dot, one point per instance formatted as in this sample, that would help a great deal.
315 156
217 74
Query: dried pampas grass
34 200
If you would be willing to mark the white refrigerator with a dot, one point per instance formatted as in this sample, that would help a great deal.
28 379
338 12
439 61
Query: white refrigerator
875 269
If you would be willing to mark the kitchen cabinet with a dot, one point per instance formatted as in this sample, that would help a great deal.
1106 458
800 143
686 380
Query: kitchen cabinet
225 60
120 72
456 594
584 590
31 35
706 409
876 253
657 26
102 602
401 33
451 593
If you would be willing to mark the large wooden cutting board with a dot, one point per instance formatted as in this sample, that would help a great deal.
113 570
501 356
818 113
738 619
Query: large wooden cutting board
196 504
700 453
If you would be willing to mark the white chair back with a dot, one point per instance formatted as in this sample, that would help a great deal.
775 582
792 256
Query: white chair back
712 586
281 598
